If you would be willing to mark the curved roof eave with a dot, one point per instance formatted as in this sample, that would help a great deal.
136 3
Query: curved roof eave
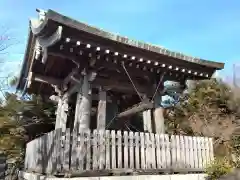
59 18
20 83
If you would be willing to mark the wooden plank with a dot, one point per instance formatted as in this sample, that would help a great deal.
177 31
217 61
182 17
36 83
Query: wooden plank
142 146
182 152
50 146
211 149
178 152
74 150
187 152
102 105
131 147
95 150
148 151
119 154
153 153
66 158
207 151
59 139
47 169
39 148
191 148
101 149
137 150
203 149
125 149
167 151
158 151
107 147
27 156
88 149
113 150
195 151
48 156
81 150
173 151
204 152
199 151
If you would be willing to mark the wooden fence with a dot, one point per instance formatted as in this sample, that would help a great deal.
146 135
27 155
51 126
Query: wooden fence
110 150
3 165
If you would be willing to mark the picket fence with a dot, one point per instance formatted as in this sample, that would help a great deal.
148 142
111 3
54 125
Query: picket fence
56 152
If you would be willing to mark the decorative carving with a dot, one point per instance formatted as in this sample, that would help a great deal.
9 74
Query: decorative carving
51 40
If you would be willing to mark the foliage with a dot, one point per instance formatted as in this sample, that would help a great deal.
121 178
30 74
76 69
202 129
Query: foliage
218 168
11 138
236 151
22 120
211 109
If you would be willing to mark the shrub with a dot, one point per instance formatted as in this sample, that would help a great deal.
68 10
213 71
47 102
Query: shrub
218 168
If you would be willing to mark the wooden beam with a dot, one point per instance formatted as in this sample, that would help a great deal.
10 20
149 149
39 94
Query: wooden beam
72 89
102 110
108 84
45 79
95 97
69 78
122 86
136 108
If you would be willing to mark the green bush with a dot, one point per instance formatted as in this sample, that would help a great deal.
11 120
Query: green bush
218 168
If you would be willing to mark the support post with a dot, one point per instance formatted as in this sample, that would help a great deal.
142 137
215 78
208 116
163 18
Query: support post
83 105
62 114
158 115
102 110
147 121
112 111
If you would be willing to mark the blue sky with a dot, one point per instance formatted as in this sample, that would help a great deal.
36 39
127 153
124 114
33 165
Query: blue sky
209 29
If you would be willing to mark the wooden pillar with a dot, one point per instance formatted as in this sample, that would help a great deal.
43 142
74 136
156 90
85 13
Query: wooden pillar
158 115
102 109
147 121
83 105
112 111
62 114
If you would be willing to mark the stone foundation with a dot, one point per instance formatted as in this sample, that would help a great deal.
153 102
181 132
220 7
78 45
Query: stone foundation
32 176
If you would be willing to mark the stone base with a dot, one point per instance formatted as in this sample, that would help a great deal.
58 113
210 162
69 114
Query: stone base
32 176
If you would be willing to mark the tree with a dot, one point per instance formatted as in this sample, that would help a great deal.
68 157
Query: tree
212 109
22 120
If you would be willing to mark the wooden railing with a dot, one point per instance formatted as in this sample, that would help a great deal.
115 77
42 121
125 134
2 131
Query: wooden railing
111 150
